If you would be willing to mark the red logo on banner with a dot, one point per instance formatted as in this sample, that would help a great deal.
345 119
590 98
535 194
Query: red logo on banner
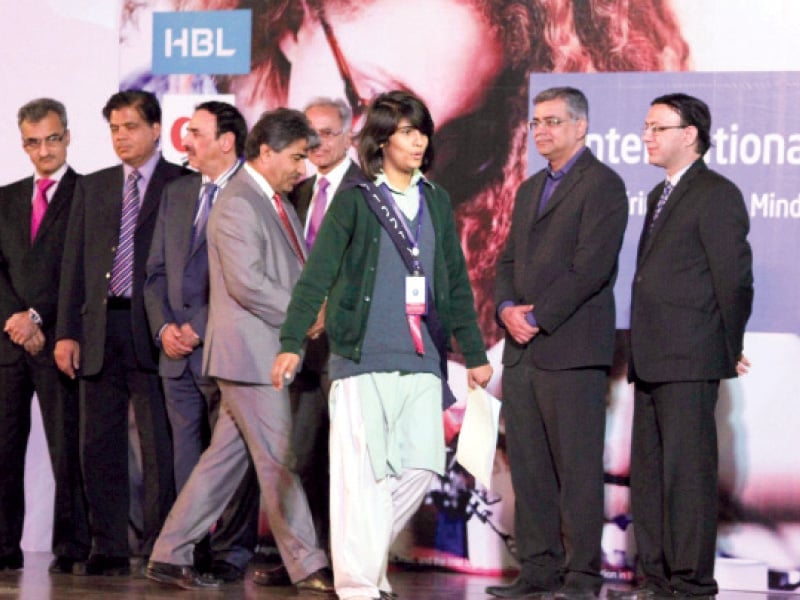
176 133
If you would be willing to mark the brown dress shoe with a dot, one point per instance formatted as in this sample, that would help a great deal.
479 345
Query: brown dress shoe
185 577
271 576
320 582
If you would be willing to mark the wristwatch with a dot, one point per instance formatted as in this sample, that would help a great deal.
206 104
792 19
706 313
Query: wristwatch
35 317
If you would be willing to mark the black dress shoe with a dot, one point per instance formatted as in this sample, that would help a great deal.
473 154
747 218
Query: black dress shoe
185 577
320 582
103 565
520 589
12 561
63 564
225 571
642 592
271 576
571 592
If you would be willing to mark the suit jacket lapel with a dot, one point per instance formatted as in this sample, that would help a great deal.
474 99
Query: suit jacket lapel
188 210
58 203
152 195
565 187
536 195
675 198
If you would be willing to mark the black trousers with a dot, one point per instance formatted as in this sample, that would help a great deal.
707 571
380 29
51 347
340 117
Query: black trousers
58 401
309 394
674 484
555 427
104 402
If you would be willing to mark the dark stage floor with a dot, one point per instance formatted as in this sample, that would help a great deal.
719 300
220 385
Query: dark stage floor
35 583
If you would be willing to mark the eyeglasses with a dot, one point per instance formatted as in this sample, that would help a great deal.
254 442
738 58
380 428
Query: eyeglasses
358 104
547 123
656 129
50 141
329 134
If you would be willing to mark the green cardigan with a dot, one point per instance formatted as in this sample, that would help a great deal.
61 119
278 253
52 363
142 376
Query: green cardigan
342 266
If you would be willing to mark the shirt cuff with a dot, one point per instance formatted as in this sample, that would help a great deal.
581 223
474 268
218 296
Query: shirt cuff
505 304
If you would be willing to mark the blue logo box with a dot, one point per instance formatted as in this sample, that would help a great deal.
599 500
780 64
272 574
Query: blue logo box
203 42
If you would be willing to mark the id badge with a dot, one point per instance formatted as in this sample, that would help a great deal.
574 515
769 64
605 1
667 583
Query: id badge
415 295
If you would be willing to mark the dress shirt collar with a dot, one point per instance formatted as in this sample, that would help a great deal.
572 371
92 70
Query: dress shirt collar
53 177
556 175
223 179
146 172
261 182
677 176
334 177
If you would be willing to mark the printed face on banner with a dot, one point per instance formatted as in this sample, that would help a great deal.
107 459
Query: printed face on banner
451 73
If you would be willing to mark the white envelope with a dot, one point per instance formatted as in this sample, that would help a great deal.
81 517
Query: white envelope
477 441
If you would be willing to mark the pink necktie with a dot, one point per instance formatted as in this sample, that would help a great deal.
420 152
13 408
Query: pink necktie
320 204
415 328
289 229
39 205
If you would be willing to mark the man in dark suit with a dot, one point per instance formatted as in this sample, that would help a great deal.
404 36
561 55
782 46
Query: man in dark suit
103 335
554 293
692 296
33 225
331 120
176 298
255 255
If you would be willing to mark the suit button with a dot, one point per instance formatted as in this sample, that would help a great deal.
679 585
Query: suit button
366 298
108 275
638 279
113 248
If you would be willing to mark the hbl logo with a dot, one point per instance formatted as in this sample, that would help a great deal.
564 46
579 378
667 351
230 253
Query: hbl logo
204 42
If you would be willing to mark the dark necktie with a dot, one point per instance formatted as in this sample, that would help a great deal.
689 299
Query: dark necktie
662 200
204 208
320 204
122 269
39 205
289 229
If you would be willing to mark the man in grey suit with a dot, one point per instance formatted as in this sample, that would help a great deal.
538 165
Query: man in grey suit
255 257
554 291
176 298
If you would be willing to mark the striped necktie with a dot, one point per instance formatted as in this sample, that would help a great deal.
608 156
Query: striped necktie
122 269
662 200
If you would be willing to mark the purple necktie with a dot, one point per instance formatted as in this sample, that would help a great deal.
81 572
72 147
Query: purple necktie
122 269
320 204
39 205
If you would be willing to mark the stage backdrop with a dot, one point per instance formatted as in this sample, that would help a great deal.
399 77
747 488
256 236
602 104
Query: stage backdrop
476 70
